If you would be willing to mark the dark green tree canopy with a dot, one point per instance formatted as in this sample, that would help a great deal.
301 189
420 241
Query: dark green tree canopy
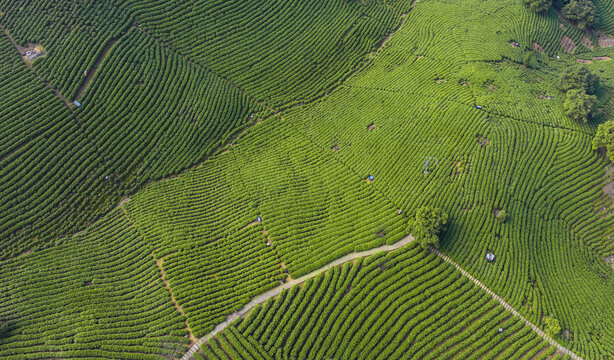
579 77
582 12
426 225
580 105
538 5
604 138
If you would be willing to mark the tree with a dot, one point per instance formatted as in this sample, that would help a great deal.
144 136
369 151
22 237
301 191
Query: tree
427 224
4 328
538 5
582 12
579 105
552 326
579 77
604 138
501 215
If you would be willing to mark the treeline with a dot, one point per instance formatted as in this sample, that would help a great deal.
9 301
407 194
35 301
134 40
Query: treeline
580 12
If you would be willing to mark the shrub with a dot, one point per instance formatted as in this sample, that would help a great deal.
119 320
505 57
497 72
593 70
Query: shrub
582 12
427 224
579 105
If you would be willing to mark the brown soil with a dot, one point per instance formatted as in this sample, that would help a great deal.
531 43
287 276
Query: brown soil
335 147
464 82
440 81
381 234
467 209
604 41
568 44
586 41
371 127
609 259
602 58
459 168
562 26
537 47
542 97
513 43
584 61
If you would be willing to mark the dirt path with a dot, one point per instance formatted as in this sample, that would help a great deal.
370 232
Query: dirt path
168 288
91 72
276 291
55 91
355 255
508 307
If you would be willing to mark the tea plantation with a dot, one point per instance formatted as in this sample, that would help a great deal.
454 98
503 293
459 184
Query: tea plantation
187 179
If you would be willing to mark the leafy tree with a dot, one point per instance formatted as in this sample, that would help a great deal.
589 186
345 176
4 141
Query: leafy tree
582 12
579 77
501 215
427 224
552 326
579 105
605 138
538 5
4 328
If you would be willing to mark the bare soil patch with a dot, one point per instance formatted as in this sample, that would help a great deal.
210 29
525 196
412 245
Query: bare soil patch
31 52
568 44
586 41
605 41
459 167
381 234
335 148
562 26
602 58
584 61
543 97
482 140
513 44
371 127
440 81
537 47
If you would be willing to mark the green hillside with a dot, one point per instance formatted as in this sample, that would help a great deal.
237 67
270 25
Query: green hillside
236 179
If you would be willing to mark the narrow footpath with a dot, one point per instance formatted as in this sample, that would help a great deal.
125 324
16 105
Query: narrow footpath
276 291
508 307
353 256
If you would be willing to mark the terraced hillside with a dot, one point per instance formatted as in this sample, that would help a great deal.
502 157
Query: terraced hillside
218 150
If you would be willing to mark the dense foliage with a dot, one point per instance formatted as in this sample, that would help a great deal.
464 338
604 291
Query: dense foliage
604 138
96 295
581 12
327 100
539 5
579 77
579 105
403 305
426 225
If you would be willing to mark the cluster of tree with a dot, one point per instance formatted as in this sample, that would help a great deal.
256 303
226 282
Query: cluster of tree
580 85
426 225
604 138
552 326
580 12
